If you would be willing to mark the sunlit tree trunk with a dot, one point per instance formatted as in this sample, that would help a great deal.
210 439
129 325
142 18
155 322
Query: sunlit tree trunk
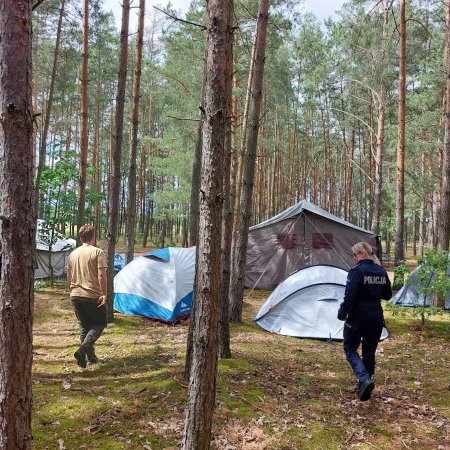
114 195
444 220
17 228
241 156
202 383
400 197
378 165
131 206
238 278
48 110
84 117
227 218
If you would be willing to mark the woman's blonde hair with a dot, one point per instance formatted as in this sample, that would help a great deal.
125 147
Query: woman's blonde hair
366 249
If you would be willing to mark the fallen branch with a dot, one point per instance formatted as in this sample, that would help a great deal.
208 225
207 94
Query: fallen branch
347 441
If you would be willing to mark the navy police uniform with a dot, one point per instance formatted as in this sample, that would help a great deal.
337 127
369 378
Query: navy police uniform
367 284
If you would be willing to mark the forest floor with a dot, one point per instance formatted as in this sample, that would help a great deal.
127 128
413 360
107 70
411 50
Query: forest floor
276 392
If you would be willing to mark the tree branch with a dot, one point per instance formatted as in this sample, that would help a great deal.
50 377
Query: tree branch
177 19
37 4
182 118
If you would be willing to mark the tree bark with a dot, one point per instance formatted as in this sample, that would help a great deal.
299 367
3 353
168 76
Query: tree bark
400 197
237 278
43 141
444 219
17 224
242 151
131 208
84 118
202 382
114 195
227 218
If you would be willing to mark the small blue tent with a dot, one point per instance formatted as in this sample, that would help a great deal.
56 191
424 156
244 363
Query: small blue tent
119 263
157 285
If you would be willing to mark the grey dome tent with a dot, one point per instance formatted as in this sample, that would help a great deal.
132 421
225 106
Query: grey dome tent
305 304
302 235
409 295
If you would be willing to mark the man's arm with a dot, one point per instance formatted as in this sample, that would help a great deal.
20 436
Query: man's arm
101 275
69 275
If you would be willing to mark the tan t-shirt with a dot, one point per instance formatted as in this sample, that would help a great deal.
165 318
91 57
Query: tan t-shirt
84 263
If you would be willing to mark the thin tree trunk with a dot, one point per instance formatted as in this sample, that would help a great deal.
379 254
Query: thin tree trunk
241 156
97 169
202 383
84 117
238 278
422 212
444 219
227 218
17 224
348 189
375 227
114 197
400 197
130 232
43 141
195 188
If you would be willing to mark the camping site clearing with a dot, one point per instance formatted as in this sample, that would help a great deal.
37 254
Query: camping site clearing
276 392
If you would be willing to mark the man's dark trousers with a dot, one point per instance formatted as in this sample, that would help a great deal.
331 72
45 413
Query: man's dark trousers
91 318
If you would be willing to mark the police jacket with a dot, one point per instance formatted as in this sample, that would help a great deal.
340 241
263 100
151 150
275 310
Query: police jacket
367 284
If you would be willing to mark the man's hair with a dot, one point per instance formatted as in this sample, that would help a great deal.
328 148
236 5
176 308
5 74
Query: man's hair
86 233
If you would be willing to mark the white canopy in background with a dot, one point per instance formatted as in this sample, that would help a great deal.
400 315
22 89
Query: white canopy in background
57 257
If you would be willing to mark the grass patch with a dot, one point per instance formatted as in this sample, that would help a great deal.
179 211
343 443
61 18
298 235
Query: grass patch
275 392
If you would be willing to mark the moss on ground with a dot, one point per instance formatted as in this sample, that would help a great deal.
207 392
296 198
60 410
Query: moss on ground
275 392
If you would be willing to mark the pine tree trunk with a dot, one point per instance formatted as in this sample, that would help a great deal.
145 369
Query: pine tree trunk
17 224
238 278
195 188
114 197
375 227
130 233
227 218
202 383
444 219
400 197
43 140
97 169
241 156
84 118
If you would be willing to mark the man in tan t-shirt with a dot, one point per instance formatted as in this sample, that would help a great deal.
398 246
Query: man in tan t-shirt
86 275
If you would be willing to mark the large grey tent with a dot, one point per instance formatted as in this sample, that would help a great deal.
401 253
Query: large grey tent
306 303
302 235
409 294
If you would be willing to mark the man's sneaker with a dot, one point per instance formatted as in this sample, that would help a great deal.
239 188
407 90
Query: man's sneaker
80 356
365 390
91 356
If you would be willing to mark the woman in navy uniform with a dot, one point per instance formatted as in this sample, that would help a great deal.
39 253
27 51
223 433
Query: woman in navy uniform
367 284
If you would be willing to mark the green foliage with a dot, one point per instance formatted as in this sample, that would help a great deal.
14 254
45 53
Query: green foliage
433 273
399 273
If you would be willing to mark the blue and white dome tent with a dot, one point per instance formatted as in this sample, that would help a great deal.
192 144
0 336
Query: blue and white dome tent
157 285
